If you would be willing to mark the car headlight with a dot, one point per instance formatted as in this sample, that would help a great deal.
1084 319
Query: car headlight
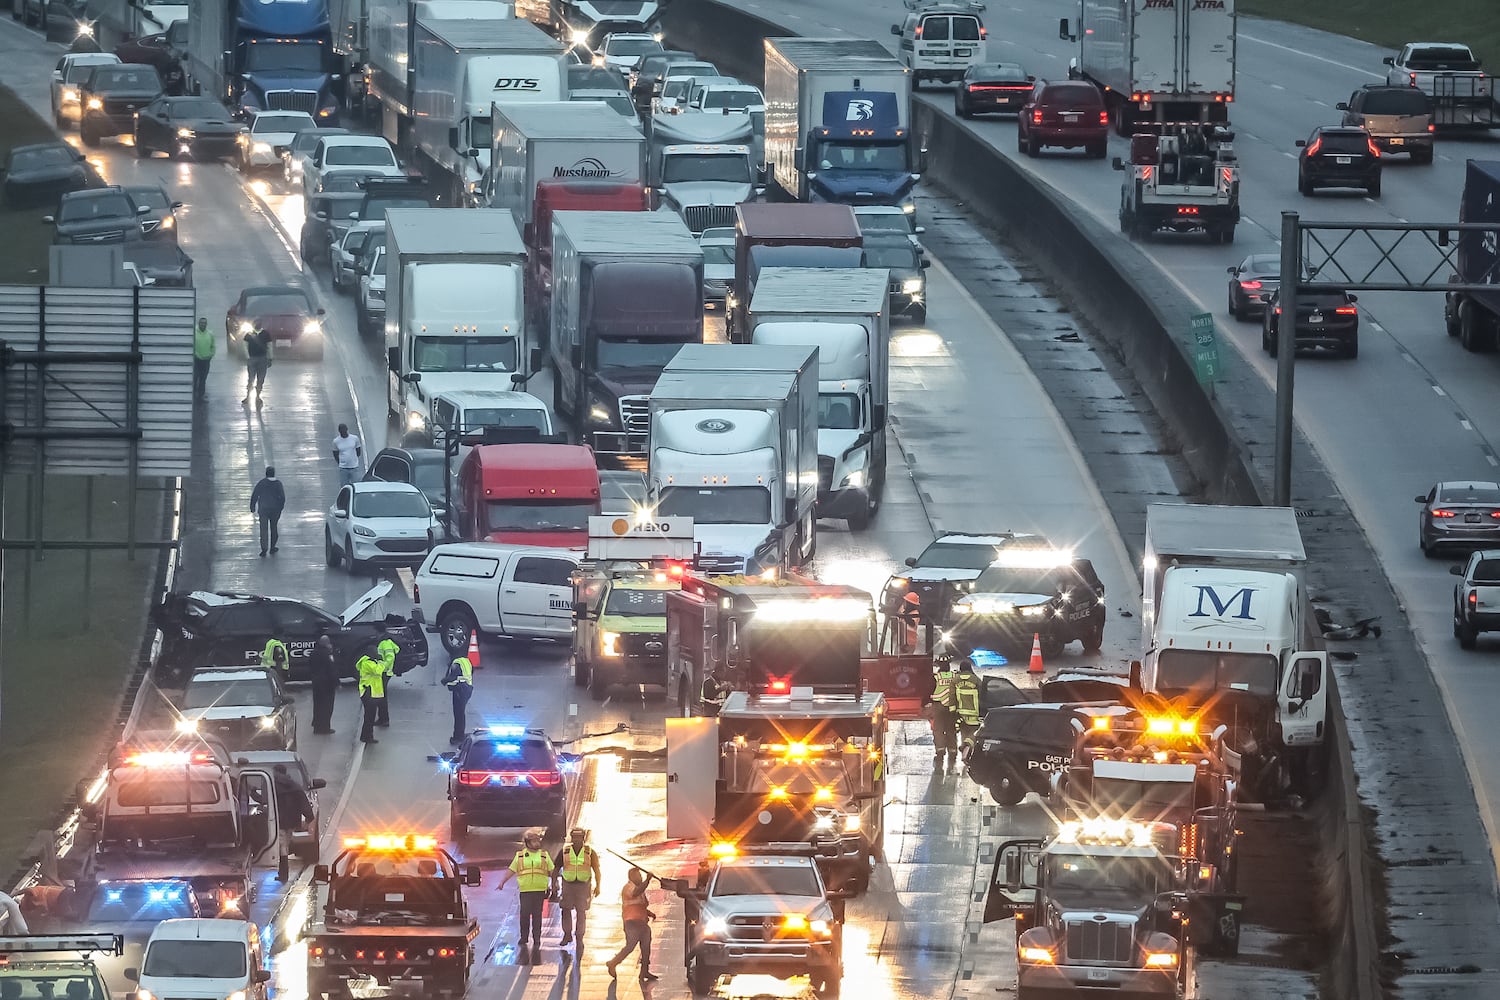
609 643
263 148
236 995
1034 610
598 414
144 994
855 480
824 822
852 824
168 222
363 532
246 329
911 286
1161 960
95 104
963 609
715 926
1036 956
185 133
85 29
268 722
187 725
910 208
311 328
69 96
415 421
820 928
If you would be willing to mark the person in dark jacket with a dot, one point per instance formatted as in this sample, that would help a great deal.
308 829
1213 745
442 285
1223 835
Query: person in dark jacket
325 685
293 811
257 363
268 500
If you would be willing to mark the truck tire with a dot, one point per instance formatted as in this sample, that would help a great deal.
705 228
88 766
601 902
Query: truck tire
1097 150
917 314
860 520
455 623
701 977
1450 313
1466 634
1476 330
598 685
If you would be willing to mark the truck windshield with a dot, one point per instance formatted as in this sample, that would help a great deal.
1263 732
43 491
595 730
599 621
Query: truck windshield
838 411
304 56
726 168
522 516
195 959
218 694
887 157
1136 878
463 354
1200 673
718 253
731 100
723 505
167 792
804 778
642 603
766 881
477 419
636 353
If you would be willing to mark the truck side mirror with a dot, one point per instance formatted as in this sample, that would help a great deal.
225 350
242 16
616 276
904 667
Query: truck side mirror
895 29
320 873
837 906
1341 106
1117 163
911 562
877 417
1307 679
133 974
1065 30
262 975
393 358
472 874
527 232
1013 869
453 137
580 609
536 359
1389 60
317 783
575 356
1456 570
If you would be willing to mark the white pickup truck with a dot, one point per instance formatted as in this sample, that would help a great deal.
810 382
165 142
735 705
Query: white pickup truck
1476 597
515 591
1463 95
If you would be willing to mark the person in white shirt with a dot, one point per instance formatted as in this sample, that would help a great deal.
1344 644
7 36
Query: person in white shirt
348 452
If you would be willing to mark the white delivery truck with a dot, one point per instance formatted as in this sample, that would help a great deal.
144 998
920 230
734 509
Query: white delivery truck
700 165
845 314
454 315
734 445
1158 63
1227 633
390 40
536 142
461 71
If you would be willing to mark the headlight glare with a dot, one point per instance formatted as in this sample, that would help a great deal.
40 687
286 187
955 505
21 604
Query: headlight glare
911 286
95 104
609 643
184 133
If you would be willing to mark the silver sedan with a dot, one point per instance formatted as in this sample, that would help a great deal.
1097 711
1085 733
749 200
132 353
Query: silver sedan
1461 514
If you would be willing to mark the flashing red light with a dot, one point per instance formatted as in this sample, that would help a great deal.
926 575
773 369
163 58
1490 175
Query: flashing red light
1036 117
1249 286
1495 513
778 686
380 956
359 954
1443 513
676 570
540 779
317 951
445 953
1431 127
919 31
1412 78
1347 310
1187 209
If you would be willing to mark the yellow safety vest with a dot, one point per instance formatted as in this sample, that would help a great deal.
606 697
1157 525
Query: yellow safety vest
268 655
387 651
966 694
577 867
533 870
942 691
465 672
371 677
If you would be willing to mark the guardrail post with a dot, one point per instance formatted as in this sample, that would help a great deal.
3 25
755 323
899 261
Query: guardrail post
1286 352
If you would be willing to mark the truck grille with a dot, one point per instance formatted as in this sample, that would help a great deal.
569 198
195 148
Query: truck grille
121 108
104 236
292 100
645 645
763 930
635 415
721 565
1101 941
716 286
701 217
825 473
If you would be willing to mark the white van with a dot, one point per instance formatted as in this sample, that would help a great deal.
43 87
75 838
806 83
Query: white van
941 39
472 410
514 591
202 957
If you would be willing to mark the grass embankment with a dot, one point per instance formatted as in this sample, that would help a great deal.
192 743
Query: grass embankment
1393 23
66 645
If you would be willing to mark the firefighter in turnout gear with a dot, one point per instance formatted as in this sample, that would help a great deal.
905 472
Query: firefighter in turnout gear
577 869
966 702
944 721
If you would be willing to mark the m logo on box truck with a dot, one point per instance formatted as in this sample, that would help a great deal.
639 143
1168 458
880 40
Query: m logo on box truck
860 110
1239 602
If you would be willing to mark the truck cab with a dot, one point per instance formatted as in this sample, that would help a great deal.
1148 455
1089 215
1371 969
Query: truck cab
565 194
528 494
193 956
516 591
56 965
1184 182
703 182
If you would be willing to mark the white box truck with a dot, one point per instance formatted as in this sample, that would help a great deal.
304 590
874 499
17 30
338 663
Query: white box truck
1158 62
566 139
454 315
734 445
390 39
838 122
845 314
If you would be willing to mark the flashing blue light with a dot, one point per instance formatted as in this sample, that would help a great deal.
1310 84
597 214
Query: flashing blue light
507 747
164 895
507 730
114 895
987 658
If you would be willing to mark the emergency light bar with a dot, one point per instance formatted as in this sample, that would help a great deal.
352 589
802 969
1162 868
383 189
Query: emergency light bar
817 609
1168 726
34 944
168 758
1033 558
1100 831
392 842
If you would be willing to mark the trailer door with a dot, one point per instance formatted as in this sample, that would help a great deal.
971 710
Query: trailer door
1208 45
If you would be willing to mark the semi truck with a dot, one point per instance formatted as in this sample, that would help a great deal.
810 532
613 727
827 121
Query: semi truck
627 292
272 55
763 227
390 42
845 314
1158 63
700 166
1474 317
461 71
838 122
1227 635
734 445
585 22
454 315
570 194
558 141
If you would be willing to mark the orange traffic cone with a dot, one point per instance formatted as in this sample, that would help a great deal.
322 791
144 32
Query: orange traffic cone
473 653
1035 667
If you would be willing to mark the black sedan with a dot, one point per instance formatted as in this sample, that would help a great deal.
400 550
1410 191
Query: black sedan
160 222
245 708
41 173
1338 156
199 127
1326 320
163 262
1251 282
102 215
996 88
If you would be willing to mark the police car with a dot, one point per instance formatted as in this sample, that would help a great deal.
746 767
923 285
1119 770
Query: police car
1046 593
1027 747
508 777
223 629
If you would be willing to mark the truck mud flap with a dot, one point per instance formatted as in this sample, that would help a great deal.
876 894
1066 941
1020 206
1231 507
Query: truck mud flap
1217 918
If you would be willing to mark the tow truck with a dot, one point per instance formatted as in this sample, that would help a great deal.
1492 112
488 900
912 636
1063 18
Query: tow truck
1186 182
767 635
393 914
56 965
619 599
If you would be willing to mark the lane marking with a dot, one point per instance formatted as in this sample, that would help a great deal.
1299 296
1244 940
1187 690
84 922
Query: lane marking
1439 390
1322 59
1466 425
572 711
1491 459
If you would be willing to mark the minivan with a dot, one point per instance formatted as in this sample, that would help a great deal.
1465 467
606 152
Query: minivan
202 957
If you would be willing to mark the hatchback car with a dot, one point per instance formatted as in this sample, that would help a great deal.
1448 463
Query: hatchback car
196 127
507 777
1399 119
1458 514
71 70
102 215
1338 156
1326 320
283 311
111 95
1070 115
160 219
994 88
1251 284
372 523
270 135
245 708
40 173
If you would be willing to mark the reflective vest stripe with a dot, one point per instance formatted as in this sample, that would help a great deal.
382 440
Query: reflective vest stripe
966 693
577 867
465 672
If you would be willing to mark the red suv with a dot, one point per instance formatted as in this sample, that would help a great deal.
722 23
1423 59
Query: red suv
1064 114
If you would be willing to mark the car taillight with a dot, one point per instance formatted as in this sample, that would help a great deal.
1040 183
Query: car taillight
1412 78
1473 598
474 777
1374 149
1443 513
1347 310
983 32
416 594
1313 149
1431 127
1036 117
777 685
1104 118
1249 286
1278 310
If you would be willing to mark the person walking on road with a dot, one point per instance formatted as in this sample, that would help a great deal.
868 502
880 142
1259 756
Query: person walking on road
203 354
460 683
944 722
371 693
965 704
293 811
325 684
577 868
532 869
385 652
348 452
268 500
257 363
635 913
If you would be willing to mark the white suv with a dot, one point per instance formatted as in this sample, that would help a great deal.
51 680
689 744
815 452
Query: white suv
349 152
378 523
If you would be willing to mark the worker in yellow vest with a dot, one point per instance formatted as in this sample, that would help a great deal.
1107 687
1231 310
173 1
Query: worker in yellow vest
966 703
371 693
532 869
576 867
944 720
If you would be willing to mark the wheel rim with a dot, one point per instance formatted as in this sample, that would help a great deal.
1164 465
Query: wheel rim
455 633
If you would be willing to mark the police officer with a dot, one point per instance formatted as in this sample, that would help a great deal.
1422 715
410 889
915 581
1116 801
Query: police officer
944 721
460 683
577 867
532 869
966 702
275 655
371 693
386 652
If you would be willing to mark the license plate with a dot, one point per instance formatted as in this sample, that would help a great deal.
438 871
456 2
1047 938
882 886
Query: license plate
1099 975
963 52
1471 518
1069 118
1398 142
1316 318
1343 161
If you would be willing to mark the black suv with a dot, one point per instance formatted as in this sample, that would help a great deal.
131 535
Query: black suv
103 215
1010 603
1325 321
245 708
1023 748
505 776
110 98
220 629
1338 156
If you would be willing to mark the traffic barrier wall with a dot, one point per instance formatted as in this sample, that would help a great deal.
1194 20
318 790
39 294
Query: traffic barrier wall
1148 328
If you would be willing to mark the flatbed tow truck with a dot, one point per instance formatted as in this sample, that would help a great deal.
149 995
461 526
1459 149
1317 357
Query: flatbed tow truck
54 966
1187 182
392 915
